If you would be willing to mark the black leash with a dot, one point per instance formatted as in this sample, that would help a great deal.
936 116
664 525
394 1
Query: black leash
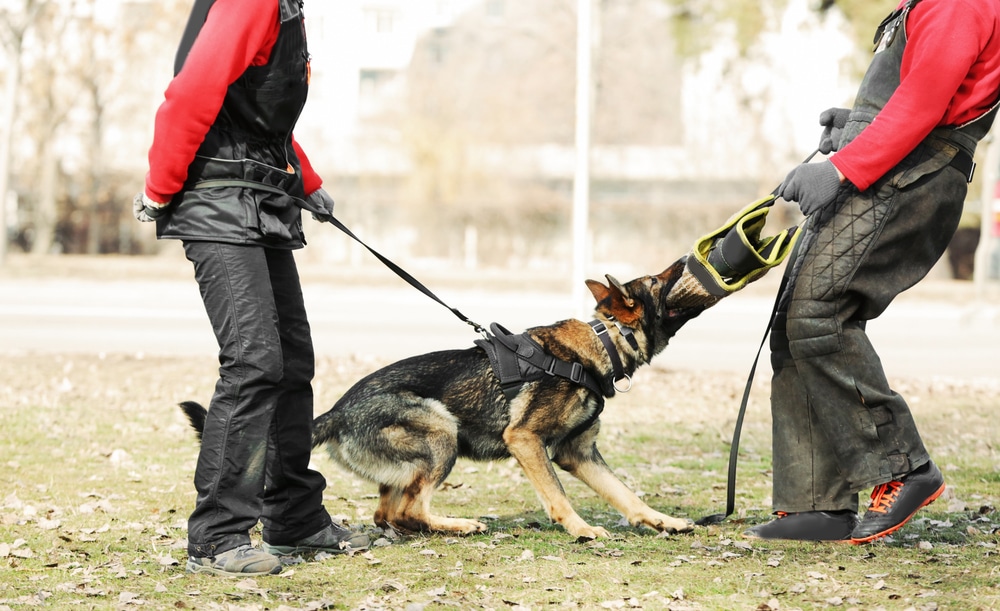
402 273
734 448
324 216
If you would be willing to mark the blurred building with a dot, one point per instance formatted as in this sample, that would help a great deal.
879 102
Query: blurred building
716 117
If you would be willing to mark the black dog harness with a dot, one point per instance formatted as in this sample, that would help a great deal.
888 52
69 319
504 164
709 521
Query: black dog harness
518 359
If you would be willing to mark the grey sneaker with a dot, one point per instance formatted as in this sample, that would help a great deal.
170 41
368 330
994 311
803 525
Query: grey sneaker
238 562
333 539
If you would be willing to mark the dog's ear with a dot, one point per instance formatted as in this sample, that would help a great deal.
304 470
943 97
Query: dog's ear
598 290
618 286
615 300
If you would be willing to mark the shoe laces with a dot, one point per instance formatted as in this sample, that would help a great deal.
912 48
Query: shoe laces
884 495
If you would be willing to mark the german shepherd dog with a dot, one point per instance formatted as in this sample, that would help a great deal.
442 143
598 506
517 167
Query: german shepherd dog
403 426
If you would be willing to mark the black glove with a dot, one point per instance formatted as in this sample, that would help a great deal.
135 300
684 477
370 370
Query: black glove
321 200
813 185
833 121
146 210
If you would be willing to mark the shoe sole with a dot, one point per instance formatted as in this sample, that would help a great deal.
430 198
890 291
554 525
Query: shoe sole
753 537
200 568
889 531
303 551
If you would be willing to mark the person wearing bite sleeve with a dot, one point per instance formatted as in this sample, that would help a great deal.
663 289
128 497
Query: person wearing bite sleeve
881 211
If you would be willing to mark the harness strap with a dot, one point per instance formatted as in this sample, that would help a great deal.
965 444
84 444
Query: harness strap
618 369
517 359
609 346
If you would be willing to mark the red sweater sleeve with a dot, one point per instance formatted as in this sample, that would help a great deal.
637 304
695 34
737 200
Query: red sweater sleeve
236 35
950 74
310 179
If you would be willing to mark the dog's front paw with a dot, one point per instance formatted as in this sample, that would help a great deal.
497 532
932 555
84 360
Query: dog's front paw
461 526
586 531
674 525
663 523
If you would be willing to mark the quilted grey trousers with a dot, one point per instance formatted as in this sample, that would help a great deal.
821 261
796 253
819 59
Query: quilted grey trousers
837 425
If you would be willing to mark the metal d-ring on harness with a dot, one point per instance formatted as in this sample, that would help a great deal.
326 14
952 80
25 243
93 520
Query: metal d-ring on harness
609 346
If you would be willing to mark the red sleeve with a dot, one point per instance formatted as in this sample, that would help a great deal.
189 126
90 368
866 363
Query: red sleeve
310 179
236 35
949 74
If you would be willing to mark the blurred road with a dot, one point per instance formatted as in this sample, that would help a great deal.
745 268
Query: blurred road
941 331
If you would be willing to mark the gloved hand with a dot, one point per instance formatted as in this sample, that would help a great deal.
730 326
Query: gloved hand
813 185
145 209
321 200
833 121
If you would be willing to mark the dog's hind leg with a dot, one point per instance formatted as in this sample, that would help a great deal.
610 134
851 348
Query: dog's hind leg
390 499
409 457
415 513
580 458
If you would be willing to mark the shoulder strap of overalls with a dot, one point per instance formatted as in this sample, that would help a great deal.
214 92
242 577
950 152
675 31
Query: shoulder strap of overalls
199 12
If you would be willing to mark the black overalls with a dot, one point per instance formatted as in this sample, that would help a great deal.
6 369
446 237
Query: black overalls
838 427
239 221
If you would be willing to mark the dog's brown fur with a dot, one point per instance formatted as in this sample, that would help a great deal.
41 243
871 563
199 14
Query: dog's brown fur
403 426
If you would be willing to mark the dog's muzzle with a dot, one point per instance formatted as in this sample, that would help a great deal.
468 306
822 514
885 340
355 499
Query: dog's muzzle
731 257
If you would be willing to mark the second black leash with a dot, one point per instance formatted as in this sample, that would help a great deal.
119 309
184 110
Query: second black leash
734 447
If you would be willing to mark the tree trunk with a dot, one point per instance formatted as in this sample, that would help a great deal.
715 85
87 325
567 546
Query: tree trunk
7 130
45 217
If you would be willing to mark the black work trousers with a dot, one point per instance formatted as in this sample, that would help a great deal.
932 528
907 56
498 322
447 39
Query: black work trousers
837 425
255 450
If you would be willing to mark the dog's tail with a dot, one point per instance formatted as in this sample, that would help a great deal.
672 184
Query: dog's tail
196 415
325 428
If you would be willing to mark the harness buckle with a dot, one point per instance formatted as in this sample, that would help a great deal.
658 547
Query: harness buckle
550 366
576 373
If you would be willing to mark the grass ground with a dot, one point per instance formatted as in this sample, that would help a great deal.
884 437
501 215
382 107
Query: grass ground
96 465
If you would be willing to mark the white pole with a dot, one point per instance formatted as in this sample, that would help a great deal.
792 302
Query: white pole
984 250
581 176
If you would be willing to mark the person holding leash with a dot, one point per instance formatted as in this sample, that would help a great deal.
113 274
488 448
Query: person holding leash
228 179
881 211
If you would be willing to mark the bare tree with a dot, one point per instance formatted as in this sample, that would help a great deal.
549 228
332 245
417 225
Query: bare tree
14 24
79 75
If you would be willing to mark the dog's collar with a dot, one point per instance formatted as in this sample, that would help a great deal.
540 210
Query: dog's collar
609 346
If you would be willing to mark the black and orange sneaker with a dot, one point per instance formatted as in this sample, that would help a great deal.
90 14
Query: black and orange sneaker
894 503
807 526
